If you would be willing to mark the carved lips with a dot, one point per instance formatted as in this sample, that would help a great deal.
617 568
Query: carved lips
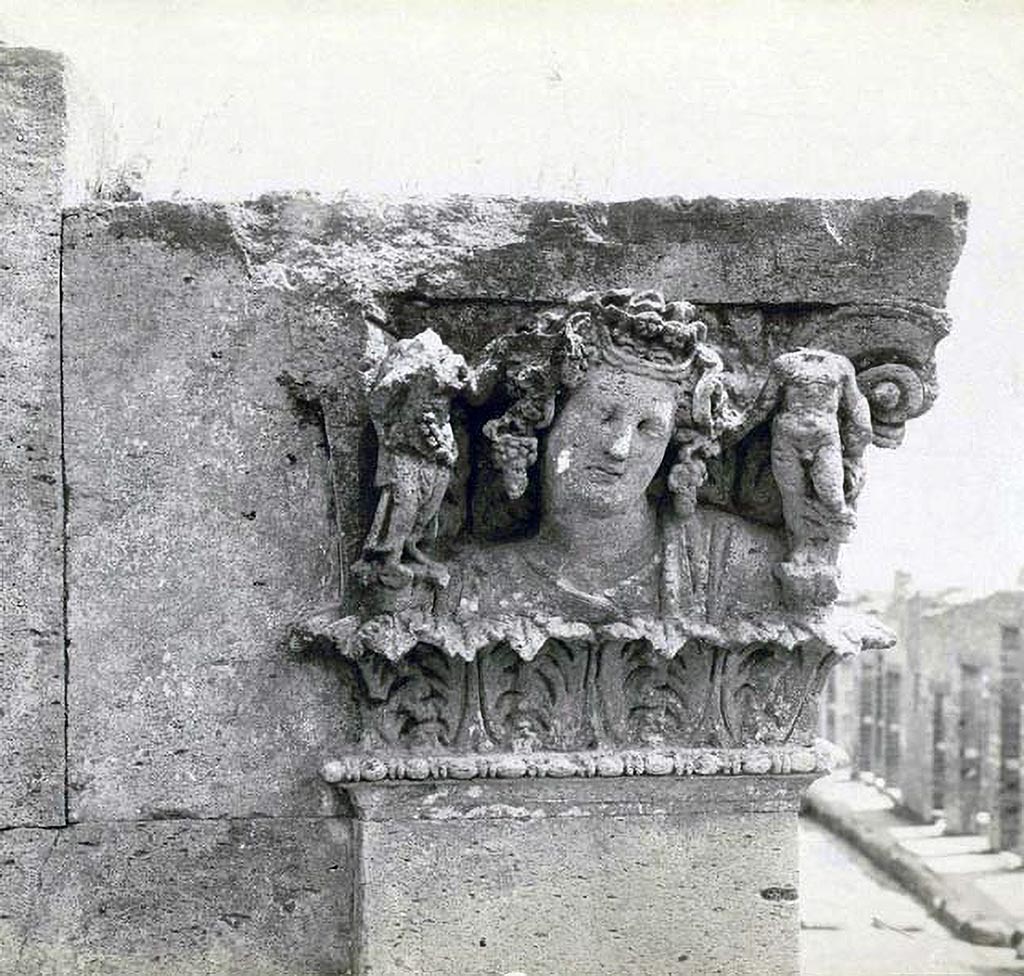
609 469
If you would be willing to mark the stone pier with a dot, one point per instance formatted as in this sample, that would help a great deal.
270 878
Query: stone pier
591 608
659 875
430 586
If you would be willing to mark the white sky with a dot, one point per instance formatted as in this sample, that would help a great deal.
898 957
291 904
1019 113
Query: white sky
228 98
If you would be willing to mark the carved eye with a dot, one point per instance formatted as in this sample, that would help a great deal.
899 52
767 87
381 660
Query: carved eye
650 425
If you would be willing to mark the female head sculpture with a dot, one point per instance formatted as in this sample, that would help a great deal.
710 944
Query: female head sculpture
617 381
622 386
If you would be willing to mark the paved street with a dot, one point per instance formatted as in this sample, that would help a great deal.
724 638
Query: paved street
857 922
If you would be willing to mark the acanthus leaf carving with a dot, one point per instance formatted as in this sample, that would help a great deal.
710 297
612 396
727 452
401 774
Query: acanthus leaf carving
537 704
585 696
417 702
765 691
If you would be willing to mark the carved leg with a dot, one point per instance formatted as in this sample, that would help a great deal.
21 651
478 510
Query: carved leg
413 551
426 522
392 541
790 476
808 577
828 474
426 567
371 568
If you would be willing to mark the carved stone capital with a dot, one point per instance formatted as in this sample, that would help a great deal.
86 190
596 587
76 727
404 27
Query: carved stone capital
585 707
605 524
592 480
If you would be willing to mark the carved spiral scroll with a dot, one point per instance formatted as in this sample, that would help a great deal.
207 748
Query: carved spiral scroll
896 393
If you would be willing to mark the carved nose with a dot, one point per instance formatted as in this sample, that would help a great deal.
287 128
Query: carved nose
619 448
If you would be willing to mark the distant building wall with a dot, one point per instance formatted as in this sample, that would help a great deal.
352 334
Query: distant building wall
939 715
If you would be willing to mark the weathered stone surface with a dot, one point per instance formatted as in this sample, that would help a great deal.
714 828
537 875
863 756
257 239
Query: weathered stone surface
821 425
753 251
603 418
569 877
25 855
199 523
219 451
32 134
960 649
177 898
710 250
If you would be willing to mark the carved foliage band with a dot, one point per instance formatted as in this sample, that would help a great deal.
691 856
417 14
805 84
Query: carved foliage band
587 696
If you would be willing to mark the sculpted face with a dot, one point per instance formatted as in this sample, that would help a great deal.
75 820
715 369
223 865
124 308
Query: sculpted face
607 443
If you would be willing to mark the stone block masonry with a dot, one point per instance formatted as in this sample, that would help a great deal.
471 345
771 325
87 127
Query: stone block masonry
153 875
199 497
210 502
555 878
227 897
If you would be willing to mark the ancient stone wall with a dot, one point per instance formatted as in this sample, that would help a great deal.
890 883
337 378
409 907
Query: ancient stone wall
32 132
214 486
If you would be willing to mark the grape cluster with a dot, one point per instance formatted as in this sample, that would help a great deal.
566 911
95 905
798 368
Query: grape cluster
513 455
650 328
436 437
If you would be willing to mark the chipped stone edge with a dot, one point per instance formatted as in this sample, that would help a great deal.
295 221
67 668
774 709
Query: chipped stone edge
847 632
760 761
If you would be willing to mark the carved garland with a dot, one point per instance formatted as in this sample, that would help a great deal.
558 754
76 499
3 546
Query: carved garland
586 765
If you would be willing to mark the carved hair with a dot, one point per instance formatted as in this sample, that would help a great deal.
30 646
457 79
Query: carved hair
635 331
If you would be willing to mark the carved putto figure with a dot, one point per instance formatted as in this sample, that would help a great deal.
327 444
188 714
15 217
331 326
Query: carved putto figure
821 425
602 415
409 401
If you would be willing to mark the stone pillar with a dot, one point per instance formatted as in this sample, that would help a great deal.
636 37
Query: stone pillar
32 137
967 745
849 699
919 772
867 697
941 736
840 712
591 602
1007 808
603 876
895 708
878 718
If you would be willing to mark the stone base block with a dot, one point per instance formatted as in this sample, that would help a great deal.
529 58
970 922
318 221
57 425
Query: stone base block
638 875
229 897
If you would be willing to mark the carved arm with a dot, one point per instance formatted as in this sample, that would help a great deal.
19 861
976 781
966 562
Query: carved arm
856 411
759 411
